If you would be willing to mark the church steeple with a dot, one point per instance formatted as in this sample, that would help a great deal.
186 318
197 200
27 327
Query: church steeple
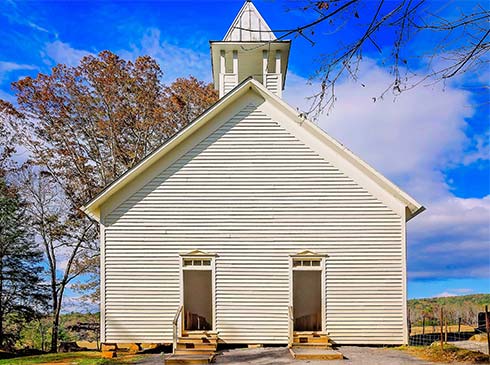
249 26
249 49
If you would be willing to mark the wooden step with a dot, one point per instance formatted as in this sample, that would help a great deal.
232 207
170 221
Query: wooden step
196 346
204 340
312 345
198 359
306 353
310 334
194 352
200 334
310 337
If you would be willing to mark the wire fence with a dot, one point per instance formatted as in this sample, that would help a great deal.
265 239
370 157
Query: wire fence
442 326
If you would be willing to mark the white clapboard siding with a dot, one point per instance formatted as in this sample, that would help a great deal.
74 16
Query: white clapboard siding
253 194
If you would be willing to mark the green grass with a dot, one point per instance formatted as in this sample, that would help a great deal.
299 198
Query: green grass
72 358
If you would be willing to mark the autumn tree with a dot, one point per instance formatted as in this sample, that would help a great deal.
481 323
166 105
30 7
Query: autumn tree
90 123
84 126
457 41
7 137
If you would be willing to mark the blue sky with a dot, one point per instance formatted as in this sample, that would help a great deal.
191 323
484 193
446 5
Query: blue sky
432 141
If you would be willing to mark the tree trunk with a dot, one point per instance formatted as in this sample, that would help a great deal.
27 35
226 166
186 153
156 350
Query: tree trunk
41 330
56 320
54 332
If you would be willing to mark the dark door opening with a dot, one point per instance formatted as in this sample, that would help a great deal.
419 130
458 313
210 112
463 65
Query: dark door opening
198 297
307 300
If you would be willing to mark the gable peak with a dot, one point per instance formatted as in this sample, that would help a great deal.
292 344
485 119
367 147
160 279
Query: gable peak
249 26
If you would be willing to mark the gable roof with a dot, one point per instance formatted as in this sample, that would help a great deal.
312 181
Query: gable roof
412 207
249 26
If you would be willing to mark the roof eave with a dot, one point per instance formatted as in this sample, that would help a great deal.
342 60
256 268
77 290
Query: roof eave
415 212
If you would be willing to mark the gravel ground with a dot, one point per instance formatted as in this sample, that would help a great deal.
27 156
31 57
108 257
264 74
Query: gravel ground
472 345
354 355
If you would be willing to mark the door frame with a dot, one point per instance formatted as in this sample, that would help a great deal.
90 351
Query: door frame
305 256
197 255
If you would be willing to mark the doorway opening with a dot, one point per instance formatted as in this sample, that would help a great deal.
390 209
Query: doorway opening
307 295
197 295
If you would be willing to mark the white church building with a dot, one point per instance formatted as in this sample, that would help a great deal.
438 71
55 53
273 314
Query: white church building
252 225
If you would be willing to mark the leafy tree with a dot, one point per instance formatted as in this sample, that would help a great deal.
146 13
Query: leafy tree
22 293
64 237
84 126
465 307
35 334
7 137
90 123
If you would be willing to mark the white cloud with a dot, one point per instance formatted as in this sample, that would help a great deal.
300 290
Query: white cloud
7 67
61 52
174 61
454 292
412 140
452 239
7 97
37 27
481 150
12 66
445 295
78 304
422 129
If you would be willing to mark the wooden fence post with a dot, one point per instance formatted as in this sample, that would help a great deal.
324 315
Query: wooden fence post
442 328
487 327
459 324
409 324
445 337
423 325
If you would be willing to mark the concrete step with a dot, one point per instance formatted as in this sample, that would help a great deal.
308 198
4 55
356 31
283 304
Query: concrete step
198 359
306 353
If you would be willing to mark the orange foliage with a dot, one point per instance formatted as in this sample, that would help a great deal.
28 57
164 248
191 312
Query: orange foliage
90 123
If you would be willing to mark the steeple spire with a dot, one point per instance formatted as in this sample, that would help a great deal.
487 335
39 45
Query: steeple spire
249 26
249 49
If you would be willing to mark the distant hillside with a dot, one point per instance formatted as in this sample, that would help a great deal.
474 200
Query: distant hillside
464 306
481 299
